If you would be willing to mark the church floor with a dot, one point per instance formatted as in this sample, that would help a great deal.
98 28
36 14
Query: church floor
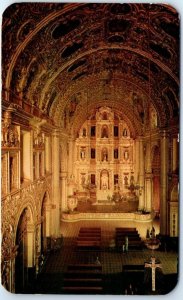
115 281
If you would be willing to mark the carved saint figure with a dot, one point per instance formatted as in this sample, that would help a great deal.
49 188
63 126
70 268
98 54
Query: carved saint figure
104 181
84 132
104 155
82 153
125 132
104 132
126 155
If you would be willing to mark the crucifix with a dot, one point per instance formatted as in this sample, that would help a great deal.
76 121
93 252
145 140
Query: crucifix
153 265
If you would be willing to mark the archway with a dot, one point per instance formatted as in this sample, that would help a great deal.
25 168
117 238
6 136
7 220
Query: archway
45 244
24 262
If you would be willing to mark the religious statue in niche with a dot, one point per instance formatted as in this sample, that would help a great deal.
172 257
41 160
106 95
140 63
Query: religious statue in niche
38 139
104 132
104 181
125 133
125 180
83 153
10 135
126 154
104 155
84 132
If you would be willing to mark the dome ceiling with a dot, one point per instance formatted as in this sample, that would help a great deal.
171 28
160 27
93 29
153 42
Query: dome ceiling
61 61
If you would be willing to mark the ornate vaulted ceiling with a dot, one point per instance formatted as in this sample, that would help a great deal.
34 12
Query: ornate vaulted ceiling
62 61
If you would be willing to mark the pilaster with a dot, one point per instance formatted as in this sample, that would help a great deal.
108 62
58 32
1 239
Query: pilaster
163 182
55 229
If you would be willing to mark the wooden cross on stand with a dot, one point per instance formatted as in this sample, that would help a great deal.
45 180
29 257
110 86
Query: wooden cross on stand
153 265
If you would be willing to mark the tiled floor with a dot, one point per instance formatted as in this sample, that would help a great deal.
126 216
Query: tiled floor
112 262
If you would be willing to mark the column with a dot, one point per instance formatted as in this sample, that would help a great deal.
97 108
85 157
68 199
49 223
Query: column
163 182
63 174
64 191
55 228
148 192
70 158
136 160
141 174
148 180
175 155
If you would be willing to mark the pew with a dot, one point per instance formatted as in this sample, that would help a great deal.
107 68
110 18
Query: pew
83 289
133 268
83 279
85 229
88 245
80 267
134 239
126 229
88 238
89 233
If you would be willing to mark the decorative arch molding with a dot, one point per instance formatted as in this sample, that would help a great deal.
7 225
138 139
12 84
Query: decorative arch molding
27 205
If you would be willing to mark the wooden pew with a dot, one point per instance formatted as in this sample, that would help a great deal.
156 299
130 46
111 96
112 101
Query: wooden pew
88 245
83 289
81 267
130 268
89 234
134 239
89 230
88 238
83 278
126 229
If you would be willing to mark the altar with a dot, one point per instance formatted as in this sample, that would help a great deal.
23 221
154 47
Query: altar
103 196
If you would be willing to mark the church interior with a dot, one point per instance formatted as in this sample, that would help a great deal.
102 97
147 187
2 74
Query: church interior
90 148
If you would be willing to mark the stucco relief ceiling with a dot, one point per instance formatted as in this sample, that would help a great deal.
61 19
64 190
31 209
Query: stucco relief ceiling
67 59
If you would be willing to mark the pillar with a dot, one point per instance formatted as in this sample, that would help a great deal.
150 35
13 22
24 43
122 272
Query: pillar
71 156
141 174
163 182
175 155
55 228
63 191
148 179
148 192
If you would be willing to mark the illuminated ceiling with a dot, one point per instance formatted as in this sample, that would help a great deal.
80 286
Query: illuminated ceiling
62 61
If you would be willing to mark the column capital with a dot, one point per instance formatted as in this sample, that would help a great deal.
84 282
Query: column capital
56 132
164 133
148 175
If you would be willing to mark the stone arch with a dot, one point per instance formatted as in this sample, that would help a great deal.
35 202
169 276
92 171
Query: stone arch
25 241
